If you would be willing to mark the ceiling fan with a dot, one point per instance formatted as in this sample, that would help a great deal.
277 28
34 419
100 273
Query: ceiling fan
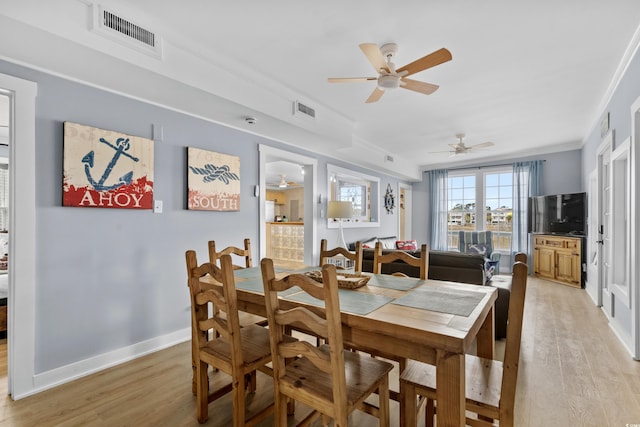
389 77
283 183
461 148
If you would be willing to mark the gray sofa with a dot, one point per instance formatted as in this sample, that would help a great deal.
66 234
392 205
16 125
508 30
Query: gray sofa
455 267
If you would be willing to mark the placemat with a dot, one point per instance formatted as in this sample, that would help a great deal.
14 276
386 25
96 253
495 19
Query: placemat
451 301
256 285
394 282
252 272
350 301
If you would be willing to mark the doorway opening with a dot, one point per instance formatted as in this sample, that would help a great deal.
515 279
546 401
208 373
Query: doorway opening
309 210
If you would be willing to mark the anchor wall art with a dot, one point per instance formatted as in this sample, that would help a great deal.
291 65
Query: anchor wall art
214 181
106 169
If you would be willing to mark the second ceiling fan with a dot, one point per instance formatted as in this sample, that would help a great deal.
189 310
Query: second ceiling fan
461 148
389 77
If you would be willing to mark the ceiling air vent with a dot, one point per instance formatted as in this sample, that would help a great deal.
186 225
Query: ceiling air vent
304 111
116 27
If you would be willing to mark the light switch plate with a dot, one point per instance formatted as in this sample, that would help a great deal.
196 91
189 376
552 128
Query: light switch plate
157 206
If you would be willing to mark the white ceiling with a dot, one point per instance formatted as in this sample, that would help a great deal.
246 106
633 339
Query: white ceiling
532 77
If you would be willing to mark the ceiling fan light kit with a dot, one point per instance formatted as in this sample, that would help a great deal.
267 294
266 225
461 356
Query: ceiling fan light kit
390 78
388 82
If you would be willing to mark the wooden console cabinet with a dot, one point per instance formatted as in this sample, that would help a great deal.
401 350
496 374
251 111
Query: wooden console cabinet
558 258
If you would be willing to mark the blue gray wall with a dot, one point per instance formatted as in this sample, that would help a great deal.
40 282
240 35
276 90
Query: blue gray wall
620 121
109 278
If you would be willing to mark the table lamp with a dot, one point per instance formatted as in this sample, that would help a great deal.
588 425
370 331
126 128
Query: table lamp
340 211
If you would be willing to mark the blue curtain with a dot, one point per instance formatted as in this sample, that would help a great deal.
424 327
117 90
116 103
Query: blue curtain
438 185
527 182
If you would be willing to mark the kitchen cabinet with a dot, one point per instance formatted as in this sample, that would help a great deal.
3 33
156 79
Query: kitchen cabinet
558 258
279 197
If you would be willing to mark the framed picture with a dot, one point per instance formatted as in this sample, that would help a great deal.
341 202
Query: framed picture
213 180
106 169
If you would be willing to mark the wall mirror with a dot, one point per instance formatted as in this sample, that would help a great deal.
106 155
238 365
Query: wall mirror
362 190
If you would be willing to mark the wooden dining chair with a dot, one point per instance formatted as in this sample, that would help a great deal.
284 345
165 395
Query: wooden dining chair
422 262
232 250
330 380
237 351
355 256
520 257
245 254
490 384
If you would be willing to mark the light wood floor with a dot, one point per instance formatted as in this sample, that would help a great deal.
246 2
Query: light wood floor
573 372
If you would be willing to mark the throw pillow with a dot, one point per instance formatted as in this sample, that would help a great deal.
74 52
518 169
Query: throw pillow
407 245
369 244
387 242
477 248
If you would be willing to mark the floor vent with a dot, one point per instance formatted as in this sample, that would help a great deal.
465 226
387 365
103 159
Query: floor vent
123 30
301 110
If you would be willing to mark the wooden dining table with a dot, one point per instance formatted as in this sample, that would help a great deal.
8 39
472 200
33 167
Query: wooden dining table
401 318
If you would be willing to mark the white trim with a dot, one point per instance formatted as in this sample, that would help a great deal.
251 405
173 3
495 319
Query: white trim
620 284
311 249
73 371
634 254
22 242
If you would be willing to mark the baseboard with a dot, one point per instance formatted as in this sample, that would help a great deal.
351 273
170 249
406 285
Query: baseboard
73 371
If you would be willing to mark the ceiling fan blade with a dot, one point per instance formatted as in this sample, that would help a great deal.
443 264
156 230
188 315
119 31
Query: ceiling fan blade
350 79
375 95
482 145
422 87
373 54
436 58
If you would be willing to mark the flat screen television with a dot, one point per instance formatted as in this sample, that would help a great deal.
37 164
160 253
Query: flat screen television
558 214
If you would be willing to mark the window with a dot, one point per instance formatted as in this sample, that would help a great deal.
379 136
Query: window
462 206
481 200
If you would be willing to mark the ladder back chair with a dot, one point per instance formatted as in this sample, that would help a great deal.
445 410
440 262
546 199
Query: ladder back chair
356 256
237 351
214 256
332 381
232 250
490 384
422 262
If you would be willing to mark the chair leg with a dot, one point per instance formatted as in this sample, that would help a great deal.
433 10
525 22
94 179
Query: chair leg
238 401
280 409
402 395
429 413
408 405
383 403
202 395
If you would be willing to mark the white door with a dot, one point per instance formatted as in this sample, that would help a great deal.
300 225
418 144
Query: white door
593 240
604 228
